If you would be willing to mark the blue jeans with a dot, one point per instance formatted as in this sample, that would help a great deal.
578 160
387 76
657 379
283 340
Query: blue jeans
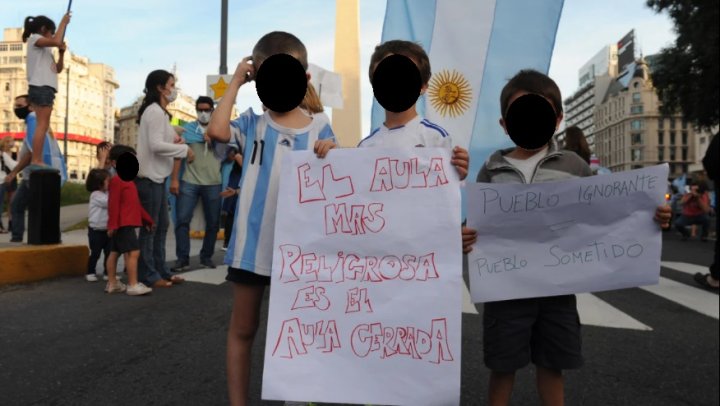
151 264
186 202
19 204
683 221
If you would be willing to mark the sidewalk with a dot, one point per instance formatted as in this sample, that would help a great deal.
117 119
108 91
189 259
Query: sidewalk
69 216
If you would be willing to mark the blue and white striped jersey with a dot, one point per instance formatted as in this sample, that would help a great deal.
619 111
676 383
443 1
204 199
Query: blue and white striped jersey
263 144
418 132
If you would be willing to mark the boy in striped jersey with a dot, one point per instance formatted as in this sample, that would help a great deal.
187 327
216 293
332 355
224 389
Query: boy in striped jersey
262 140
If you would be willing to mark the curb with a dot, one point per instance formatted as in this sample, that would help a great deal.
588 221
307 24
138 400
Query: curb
23 264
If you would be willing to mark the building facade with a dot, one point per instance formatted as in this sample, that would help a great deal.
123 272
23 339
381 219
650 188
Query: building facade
593 80
631 133
89 105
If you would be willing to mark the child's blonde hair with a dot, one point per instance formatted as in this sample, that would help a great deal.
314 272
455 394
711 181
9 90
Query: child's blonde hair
280 42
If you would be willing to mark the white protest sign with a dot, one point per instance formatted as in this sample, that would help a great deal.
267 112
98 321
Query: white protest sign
581 235
365 304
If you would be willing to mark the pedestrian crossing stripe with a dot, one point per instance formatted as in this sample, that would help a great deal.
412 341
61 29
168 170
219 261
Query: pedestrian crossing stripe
693 298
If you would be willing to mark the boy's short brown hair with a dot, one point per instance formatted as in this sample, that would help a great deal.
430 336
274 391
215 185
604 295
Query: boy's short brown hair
409 49
531 81
279 42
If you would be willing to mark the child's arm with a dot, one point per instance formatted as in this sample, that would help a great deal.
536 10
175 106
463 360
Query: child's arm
461 161
219 127
99 199
60 64
22 163
469 237
114 196
322 147
57 39
175 177
146 219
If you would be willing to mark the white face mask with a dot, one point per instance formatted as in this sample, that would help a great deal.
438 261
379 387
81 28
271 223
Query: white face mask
172 96
204 117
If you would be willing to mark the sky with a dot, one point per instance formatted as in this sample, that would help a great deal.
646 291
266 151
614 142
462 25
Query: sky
138 36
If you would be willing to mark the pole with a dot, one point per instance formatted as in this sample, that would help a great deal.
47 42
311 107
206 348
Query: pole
223 37
67 113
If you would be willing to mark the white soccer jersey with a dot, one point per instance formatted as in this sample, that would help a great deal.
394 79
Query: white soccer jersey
418 132
263 143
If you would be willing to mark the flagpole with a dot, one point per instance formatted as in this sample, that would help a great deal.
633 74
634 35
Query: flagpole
346 121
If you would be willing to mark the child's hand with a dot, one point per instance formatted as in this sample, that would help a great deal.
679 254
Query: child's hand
111 233
461 160
245 71
62 48
469 237
322 147
227 192
663 214
66 18
190 155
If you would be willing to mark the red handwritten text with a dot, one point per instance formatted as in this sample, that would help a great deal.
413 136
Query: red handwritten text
395 174
358 220
412 342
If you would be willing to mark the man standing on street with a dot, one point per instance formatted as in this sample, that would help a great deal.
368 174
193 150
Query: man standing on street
201 180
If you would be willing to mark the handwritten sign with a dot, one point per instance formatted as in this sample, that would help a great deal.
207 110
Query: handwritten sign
581 235
365 304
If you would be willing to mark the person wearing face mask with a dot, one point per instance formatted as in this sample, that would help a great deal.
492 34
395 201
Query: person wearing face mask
156 151
198 180
51 154
541 330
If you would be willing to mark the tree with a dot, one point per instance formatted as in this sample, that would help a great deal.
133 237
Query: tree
687 74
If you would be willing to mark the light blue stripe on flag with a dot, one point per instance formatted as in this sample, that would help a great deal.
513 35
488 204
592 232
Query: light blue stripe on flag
410 20
523 36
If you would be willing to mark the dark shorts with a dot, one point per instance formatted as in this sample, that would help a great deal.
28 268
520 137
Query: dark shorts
244 277
125 240
41 96
543 330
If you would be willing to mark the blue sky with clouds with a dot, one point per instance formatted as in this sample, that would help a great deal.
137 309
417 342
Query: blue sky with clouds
138 36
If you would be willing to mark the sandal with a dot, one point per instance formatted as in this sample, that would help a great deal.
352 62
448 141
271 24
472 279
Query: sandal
701 279
162 283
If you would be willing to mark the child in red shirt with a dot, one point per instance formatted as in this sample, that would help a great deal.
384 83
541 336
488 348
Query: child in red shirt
125 215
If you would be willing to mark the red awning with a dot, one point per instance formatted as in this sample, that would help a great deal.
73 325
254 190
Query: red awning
59 136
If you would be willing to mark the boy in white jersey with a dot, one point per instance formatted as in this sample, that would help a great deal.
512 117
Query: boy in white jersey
403 127
263 140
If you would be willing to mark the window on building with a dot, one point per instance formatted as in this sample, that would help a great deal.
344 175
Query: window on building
684 124
636 155
637 167
16 47
638 109
636 97
672 153
73 174
7 127
661 123
636 124
15 59
7 86
672 138
684 137
672 123
3 47
636 138
661 154
661 138
684 153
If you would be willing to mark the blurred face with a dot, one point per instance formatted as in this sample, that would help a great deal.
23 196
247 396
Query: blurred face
106 184
168 92
46 33
204 111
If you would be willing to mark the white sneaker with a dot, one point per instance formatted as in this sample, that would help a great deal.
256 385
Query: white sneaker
225 249
119 287
91 277
106 278
138 290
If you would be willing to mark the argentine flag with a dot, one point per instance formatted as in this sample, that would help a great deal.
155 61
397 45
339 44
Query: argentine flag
474 46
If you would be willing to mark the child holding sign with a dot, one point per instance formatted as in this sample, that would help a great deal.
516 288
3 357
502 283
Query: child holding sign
400 73
544 330
278 65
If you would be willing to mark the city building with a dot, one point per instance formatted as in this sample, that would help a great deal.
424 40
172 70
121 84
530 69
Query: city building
631 133
593 80
89 105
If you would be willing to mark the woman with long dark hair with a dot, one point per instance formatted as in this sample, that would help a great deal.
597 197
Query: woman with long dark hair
575 141
156 152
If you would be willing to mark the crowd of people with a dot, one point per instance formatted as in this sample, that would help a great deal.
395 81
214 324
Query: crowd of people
129 214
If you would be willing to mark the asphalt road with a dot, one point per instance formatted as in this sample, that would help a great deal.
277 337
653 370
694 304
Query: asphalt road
66 342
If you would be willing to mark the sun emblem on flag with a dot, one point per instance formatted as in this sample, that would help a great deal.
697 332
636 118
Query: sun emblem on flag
450 93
